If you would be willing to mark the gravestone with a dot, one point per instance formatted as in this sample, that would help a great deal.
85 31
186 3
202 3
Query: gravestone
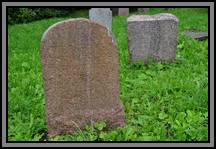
123 11
143 9
152 37
102 16
196 34
80 73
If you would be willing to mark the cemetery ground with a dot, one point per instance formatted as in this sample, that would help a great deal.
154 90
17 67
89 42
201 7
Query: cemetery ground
163 101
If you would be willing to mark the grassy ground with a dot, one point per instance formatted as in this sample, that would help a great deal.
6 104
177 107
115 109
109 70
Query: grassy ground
163 101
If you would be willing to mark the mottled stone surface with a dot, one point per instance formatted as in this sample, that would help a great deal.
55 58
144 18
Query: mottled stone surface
123 11
143 9
198 35
102 16
80 74
152 36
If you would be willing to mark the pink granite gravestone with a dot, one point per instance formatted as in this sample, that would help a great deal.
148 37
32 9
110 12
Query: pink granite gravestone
80 74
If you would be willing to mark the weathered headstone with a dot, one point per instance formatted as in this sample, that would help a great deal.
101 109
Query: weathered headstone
123 11
196 34
152 37
80 74
102 16
143 9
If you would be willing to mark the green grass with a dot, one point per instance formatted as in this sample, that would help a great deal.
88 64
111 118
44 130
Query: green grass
162 101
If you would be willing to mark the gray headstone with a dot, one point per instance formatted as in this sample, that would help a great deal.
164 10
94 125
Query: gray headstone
102 16
123 11
152 37
143 9
198 35
80 74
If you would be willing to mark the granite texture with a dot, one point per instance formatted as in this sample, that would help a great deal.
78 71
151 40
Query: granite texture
102 16
152 36
80 73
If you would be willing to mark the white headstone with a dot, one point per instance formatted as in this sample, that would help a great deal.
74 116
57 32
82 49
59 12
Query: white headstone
102 16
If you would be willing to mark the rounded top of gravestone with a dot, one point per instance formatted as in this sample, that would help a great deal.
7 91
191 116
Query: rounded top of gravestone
160 16
66 22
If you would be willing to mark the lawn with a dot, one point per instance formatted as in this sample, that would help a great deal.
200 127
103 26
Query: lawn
163 101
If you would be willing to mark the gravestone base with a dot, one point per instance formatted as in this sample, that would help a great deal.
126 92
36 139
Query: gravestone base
74 121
